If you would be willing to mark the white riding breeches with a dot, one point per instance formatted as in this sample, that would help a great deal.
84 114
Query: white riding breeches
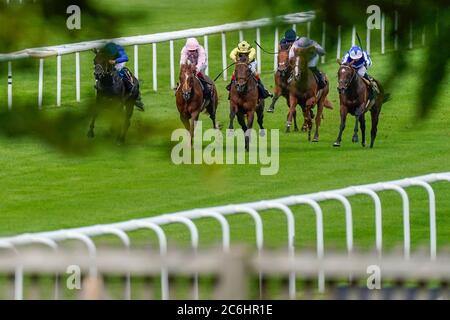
362 71
252 66
313 61
119 66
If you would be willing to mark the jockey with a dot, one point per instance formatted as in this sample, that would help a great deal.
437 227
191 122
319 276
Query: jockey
305 42
196 54
289 38
361 59
117 56
244 48
361 62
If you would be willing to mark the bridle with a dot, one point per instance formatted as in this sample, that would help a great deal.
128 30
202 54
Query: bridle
242 87
343 89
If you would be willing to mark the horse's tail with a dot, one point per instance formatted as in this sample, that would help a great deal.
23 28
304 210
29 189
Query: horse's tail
387 97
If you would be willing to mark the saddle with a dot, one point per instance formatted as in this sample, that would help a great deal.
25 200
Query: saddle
374 91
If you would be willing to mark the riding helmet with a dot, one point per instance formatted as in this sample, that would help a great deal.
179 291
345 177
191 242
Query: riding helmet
244 47
111 49
192 44
356 53
290 35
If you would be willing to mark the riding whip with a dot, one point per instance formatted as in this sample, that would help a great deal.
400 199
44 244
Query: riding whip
223 71
268 52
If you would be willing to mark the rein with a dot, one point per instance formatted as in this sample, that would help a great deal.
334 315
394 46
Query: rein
351 80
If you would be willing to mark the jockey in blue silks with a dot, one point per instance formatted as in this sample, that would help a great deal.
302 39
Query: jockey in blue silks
361 62
289 38
117 56
361 59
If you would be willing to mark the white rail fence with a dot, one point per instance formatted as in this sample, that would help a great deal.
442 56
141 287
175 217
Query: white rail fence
187 218
154 39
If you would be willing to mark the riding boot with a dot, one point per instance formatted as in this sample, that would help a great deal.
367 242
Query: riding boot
206 91
371 88
130 87
320 80
263 93
138 103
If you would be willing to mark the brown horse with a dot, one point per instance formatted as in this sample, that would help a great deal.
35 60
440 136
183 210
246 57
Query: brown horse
190 100
284 71
304 91
244 100
354 96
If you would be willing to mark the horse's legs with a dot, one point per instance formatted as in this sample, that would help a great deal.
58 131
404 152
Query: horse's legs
309 121
126 123
318 120
260 118
375 113
250 118
362 124
292 106
344 112
295 121
355 130
194 119
185 121
233 110
241 120
90 133
272 104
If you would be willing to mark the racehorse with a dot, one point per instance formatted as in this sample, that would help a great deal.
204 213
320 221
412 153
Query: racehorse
284 71
304 91
244 99
111 91
354 96
190 100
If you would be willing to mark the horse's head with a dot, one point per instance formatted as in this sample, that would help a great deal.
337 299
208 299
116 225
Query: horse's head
187 74
102 67
346 75
283 62
242 73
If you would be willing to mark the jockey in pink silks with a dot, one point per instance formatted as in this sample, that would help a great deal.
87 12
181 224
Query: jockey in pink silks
196 54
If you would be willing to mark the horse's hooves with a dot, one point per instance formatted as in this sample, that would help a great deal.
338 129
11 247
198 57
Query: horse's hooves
355 139
315 140
288 129
230 132
304 130
90 134
296 129
336 144
270 110
262 132
363 145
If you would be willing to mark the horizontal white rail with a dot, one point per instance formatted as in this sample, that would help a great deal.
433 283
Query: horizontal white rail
253 209
157 37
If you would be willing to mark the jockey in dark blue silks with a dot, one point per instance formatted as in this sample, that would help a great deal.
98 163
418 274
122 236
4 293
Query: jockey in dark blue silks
289 38
118 57
361 62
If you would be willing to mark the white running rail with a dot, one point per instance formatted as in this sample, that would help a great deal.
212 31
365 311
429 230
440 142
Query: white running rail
187 218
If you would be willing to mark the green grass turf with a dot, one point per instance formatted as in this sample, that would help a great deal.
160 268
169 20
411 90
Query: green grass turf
42 189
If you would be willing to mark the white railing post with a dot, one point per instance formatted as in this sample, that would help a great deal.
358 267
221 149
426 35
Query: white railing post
368 41
241 35
136 61
205 45
224 56
396 30
423 36
294 27
275 49
339 43
258 49
155 75
308 29
77 77
172 64
58 80
10 84
324 26
41 83
353 35
411 35
383 31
